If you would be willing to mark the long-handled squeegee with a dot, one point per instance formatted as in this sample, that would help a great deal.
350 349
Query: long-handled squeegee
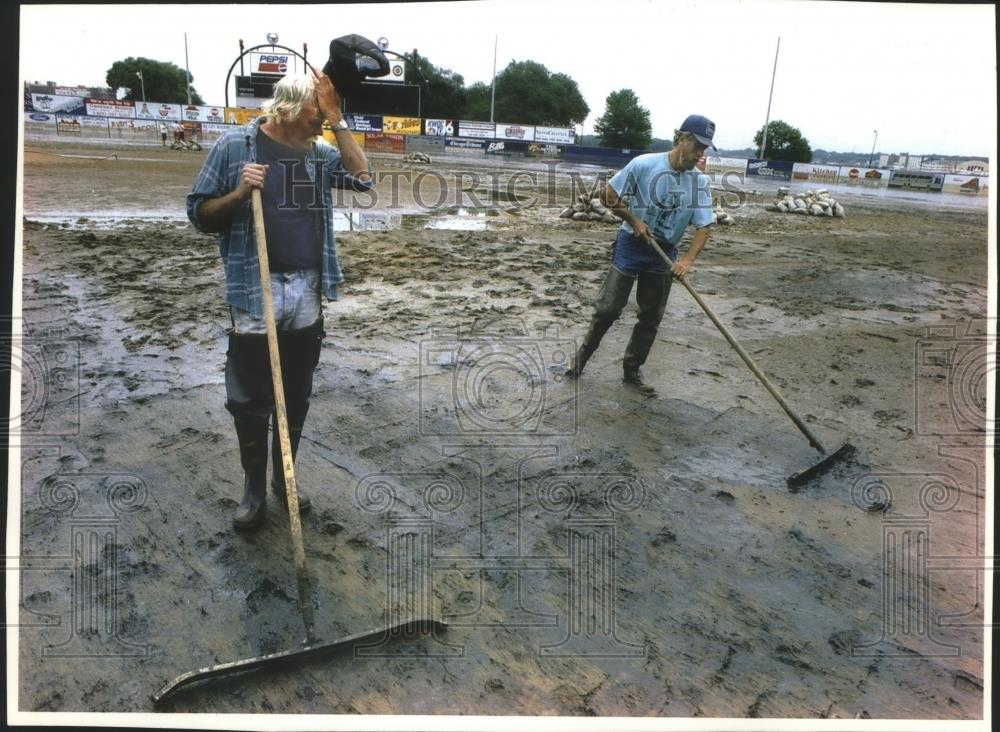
828 457
310 646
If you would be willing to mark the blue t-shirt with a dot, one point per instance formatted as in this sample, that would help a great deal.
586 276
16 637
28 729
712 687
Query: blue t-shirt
291 204
667 201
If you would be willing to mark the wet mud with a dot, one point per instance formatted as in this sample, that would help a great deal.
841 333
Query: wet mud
595 552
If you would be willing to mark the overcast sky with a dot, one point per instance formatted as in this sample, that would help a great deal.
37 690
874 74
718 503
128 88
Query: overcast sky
924 76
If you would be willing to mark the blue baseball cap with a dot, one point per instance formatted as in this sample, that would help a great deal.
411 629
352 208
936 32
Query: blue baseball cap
702 128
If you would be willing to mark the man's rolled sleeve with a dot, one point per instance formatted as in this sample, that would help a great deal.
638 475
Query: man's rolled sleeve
212 182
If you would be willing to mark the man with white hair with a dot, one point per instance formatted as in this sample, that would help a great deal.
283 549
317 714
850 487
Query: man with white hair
280 154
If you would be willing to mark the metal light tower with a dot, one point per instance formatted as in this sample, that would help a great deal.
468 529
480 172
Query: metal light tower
767 119
870 157
187 70
493 84
142 84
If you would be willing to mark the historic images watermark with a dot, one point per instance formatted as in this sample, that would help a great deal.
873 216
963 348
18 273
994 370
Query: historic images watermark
551 185
953 366
90 508
45 360
563 529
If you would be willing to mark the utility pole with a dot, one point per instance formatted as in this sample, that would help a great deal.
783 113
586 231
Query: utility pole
187 71
873 149
767 119
142 84
493 85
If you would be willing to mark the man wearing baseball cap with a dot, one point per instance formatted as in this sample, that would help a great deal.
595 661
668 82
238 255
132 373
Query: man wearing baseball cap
658 195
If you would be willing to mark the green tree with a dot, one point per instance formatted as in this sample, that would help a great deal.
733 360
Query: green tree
477 102
442 93
529 93
784 142
162 80
625 122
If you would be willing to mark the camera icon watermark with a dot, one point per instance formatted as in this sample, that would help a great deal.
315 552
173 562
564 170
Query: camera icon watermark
954 367
562 573
497 379
46 362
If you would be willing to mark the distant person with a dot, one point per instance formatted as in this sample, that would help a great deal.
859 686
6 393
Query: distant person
665 194
178 129
163 133
276 153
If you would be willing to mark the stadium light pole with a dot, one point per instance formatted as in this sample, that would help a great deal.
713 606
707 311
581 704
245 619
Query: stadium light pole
187 69
142 84
767 118
493 84
872 156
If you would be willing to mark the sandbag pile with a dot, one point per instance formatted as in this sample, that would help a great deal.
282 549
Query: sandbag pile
721 216
589 208
417 157
813 203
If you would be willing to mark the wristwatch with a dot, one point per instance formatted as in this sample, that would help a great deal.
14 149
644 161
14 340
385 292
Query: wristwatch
342 125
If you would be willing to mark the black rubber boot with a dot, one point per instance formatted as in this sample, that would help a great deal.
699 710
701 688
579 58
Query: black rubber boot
252 435
651 297
300 351
633 379
611 300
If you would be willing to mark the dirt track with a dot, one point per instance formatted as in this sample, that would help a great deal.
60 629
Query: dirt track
720 594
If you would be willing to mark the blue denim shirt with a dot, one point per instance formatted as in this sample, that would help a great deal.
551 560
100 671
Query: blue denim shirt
237 243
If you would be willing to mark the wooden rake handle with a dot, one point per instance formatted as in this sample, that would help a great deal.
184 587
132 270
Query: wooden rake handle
803 428
288 467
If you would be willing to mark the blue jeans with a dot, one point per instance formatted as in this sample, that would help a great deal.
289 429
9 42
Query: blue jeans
296 303
633 255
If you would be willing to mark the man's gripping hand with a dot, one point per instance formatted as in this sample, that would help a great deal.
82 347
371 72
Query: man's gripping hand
251 177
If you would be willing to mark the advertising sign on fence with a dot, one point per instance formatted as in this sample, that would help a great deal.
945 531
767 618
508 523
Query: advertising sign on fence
92 123
867 177
109 107
364 122
55 103
241 115
817 173
120 123
967 184
430 144
476 129
459 144
717 164
382 142
439 127
506 147
213 130
401 125
544 150
158 111
195 113
524 133
39 118
774 169
558 135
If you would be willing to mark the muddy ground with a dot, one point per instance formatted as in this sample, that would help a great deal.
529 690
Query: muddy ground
594 551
